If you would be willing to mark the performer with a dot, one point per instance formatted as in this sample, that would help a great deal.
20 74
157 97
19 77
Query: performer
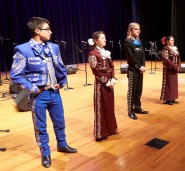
136 67
171 66
103 70
37 68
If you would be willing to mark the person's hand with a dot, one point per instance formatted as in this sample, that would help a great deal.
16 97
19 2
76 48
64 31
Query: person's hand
38 91
142 69
111 85
57 86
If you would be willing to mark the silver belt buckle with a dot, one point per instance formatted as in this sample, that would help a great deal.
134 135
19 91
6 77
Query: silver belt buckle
47 88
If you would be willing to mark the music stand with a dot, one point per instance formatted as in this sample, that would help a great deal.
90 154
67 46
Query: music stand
3 148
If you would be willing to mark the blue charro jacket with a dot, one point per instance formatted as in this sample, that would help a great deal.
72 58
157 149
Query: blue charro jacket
29 69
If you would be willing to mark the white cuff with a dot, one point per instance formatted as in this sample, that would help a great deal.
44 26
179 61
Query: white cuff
113 80
108 83
141 67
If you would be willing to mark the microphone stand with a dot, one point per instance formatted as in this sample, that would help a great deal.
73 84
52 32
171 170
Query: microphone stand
3 59
1 39
0 76
64 48
63 44
151 52
111 42
120 50
3 148
112 45
83 54
156 53
77 51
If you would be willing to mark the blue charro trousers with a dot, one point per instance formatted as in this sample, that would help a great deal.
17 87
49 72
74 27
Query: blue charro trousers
48 100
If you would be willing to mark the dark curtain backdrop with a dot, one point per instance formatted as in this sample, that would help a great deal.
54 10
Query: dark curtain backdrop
178 25
74 21
155 20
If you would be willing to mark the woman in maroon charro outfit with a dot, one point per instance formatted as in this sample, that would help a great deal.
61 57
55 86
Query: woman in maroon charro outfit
171 65
103 70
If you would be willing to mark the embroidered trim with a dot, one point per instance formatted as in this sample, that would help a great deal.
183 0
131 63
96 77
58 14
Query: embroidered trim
164 84
97 120
92 61
37 137
129 94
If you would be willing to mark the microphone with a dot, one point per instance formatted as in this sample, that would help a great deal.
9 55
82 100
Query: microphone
84 42
120 45
15 44
111 42
151 43
77 48
57 41
63 42
2 38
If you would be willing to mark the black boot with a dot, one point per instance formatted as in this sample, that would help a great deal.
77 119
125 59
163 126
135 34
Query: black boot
132 116
46 161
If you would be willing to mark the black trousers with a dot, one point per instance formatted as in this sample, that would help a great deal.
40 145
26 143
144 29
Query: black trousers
135 87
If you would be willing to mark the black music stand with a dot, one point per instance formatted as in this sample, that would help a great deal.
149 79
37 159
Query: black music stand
3 148
83 54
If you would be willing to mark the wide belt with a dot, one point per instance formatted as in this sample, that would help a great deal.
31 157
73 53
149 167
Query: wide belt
45 88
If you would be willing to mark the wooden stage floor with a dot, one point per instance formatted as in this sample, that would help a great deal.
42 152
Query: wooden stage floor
125 151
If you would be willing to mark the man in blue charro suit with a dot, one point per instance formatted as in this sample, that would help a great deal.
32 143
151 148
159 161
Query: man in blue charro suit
37 68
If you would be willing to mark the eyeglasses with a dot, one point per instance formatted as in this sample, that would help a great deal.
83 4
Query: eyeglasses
46 29
136 29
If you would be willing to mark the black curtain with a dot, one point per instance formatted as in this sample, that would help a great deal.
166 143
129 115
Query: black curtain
74 21
155 20
178 25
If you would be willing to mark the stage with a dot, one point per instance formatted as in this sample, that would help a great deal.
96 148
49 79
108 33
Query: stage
125 151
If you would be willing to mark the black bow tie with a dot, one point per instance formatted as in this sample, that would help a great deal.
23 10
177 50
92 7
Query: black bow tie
42 49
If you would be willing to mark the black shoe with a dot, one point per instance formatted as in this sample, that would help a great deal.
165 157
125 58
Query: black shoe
67 149
175 102
100 139
46 161
141 111
168 102
132 116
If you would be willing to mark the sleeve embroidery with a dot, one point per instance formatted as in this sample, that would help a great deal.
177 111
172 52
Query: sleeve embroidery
19 63
92 61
